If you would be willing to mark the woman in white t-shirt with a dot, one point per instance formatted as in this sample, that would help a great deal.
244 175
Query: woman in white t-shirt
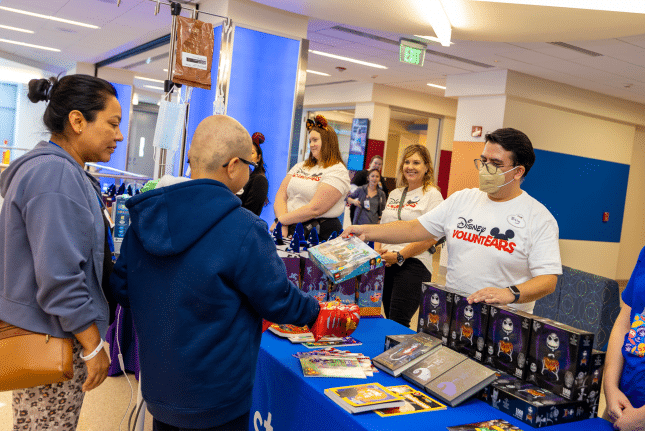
408 265
313 192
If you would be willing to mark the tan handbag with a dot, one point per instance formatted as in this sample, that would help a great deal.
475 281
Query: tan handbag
29 359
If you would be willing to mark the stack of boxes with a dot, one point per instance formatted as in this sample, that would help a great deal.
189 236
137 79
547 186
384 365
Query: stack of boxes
548 372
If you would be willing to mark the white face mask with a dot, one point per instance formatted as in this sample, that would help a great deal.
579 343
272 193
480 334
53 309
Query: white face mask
490 183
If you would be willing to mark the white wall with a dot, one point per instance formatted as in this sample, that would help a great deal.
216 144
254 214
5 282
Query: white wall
30 128
484 111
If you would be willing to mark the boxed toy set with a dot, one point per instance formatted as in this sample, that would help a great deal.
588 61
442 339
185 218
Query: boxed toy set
559 357
469 327
507 343
344 258
533 405
370 292
435 310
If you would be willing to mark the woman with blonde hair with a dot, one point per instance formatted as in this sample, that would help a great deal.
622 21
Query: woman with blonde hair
408 265
313 192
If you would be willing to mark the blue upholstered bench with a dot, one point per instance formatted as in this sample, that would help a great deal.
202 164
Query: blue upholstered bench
585 301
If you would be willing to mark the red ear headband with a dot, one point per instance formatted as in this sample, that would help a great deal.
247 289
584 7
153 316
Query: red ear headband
257 138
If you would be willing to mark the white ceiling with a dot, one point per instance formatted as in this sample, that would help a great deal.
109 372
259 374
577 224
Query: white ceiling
486 36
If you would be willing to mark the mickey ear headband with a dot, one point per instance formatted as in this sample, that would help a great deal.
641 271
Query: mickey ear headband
257 138
319 121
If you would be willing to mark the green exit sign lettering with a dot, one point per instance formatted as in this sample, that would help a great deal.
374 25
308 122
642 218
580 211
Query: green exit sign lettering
412 52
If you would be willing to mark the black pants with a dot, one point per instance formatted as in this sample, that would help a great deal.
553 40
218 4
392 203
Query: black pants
239 424
402 290
325 226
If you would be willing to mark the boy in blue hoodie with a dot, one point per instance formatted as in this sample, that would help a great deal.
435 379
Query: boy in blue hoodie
199 273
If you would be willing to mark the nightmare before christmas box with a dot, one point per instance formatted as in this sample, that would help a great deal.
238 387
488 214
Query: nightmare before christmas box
314 281
507 344
370 292
293 263
589 393
559 358
435 311
344 258
532 404
468 327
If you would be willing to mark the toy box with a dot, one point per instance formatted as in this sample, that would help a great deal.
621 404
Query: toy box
314 281
435 311
589 393
345 291
507 343
468 327
559 357
369 294
344 258
534 405
293 263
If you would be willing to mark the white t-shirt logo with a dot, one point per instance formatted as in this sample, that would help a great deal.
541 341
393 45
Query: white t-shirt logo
516 220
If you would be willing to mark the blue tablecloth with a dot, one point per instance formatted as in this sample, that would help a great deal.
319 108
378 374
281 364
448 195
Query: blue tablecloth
298 403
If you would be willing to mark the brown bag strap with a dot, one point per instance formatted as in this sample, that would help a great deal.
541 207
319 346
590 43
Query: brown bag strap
8 331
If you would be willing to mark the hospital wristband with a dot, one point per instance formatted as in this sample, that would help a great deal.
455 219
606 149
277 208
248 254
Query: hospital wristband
94 353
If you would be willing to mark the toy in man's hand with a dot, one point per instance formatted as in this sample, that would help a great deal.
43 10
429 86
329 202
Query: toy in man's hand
336 319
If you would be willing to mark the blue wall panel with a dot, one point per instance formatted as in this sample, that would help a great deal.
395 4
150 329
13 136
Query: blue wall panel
577 190
261 97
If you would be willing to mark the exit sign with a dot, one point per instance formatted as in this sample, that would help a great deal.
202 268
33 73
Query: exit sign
412 52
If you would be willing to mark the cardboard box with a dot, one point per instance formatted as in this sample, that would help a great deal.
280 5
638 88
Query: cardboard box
345 292
314 281
435 310
469 327
293 263
507 343
534 405
370 292
559 357
344 258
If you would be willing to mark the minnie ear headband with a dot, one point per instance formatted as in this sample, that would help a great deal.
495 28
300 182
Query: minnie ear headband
319 121
257 138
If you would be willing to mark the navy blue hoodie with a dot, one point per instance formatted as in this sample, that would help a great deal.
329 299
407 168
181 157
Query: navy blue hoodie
199 272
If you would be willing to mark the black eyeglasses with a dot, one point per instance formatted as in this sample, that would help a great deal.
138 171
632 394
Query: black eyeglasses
252 165
491 168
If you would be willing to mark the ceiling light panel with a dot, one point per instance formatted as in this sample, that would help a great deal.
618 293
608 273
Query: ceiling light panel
630 6
351 60
318 73
47 17
29 45
21 30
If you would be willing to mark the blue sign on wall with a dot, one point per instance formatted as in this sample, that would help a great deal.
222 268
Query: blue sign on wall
120 155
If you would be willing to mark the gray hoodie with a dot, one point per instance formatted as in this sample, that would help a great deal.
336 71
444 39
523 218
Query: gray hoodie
52 239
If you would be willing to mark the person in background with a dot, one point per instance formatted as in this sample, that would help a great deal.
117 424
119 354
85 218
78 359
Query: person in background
502 244
198 290
313 192
369 199
360 178
254 194
625 362
408 265
54 251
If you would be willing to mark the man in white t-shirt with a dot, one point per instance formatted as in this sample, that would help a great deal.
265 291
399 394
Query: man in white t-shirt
502 243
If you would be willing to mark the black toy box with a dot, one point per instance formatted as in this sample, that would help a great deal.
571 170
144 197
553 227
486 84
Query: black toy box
532 404
507 343
468 327
589 393
435 311
559 357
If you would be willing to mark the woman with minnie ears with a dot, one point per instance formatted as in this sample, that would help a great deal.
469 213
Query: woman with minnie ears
254 194
313 192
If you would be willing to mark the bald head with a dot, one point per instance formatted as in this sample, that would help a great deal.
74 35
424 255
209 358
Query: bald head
217 139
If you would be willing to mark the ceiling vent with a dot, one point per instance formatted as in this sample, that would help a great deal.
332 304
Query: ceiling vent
331 83
576 48
396 43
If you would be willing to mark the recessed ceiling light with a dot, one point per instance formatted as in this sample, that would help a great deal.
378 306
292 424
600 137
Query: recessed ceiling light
22 30
432 38
153 87
629 6
318 73
437 86
49 17
29 45
351 60
148 79
165 70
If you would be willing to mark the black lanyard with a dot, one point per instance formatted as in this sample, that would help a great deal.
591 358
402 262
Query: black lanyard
402 202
